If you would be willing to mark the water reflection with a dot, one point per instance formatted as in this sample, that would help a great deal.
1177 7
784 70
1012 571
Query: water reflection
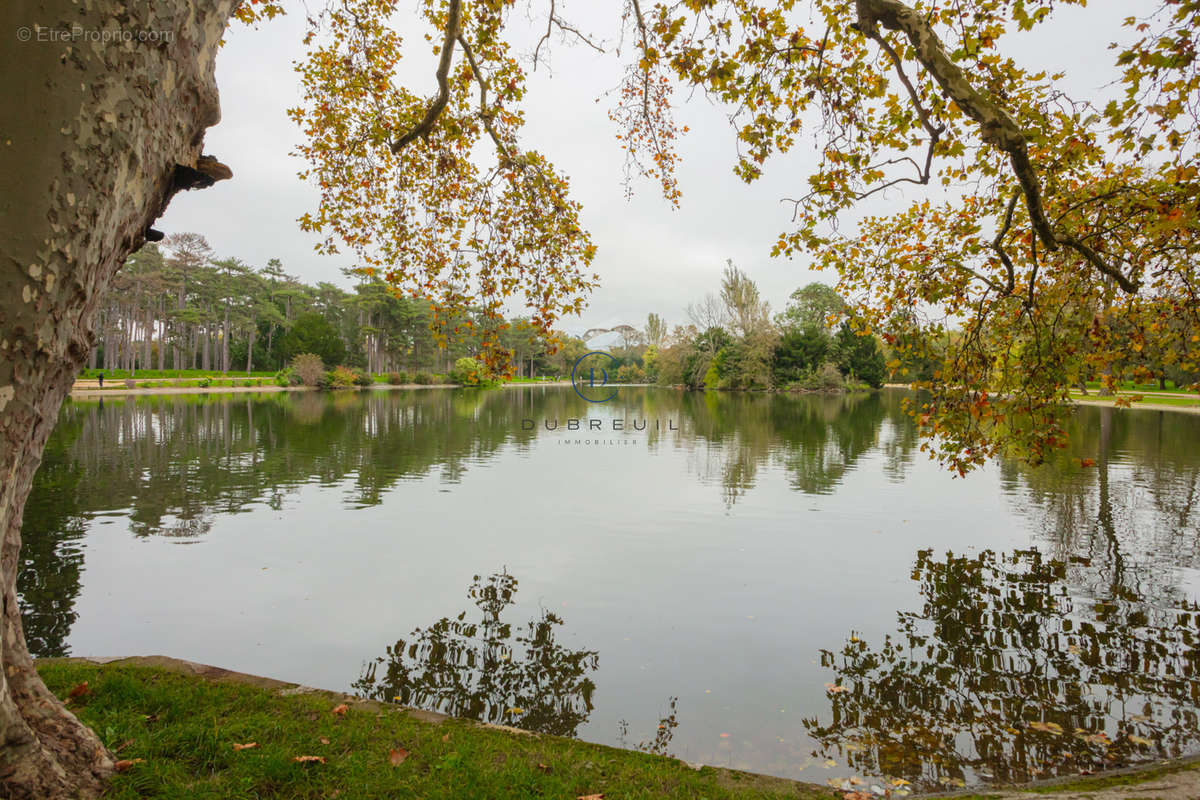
489 670
1097 551
1007 673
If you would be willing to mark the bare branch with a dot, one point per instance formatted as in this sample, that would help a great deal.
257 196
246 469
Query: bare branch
554 21
998 242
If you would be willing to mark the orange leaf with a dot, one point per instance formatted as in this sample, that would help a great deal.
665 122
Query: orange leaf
79 691
309 759
125 764
544 768
591 796
340 710
246 746
397 756
324 740
446 738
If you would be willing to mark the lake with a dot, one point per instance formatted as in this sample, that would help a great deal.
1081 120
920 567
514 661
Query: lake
783 584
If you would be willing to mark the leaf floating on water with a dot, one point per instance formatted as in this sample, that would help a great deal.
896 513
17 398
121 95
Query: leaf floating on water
724 735
829 762
309 759
397 755
1140 740
246 746
515 711
125 764
340 710
834 688
1052 728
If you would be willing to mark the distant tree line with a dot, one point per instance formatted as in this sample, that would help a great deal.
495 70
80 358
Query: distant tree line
731 341
180 307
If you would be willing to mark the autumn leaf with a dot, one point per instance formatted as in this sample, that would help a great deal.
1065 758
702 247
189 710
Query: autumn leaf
246 746
340 710
446 738
125 764
544 768
1052 728
324 740
79 691
590 796
309 759
397 756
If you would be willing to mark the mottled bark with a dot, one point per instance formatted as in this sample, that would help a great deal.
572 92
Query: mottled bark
103 100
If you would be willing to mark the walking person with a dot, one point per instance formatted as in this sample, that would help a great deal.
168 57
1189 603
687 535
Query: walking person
100 378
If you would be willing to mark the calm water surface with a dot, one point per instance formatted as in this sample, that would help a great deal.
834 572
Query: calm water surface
781 584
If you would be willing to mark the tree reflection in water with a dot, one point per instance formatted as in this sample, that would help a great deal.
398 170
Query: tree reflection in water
1007 675
489 670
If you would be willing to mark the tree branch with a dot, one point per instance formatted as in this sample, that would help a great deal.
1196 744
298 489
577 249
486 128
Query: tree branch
997 126
422 128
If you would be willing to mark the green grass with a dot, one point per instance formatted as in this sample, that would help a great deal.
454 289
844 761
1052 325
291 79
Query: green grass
154 374
184 727
1156 399
1134 386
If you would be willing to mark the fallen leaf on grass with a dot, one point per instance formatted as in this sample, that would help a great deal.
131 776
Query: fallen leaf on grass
544 768
122 745
246 746
125 764
79 691
397 756
591 796
340 710
324 740
446 738
309 759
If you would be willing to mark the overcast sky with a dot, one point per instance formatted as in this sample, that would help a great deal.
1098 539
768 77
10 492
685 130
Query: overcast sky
651 257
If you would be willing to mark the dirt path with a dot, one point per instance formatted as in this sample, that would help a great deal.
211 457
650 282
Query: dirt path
1182 785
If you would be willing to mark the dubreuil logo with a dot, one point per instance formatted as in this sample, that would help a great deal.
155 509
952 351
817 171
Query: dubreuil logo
588 382
614 425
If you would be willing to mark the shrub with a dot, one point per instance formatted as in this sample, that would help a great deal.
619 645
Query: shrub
829 377
341 377
204 383
397 378
362 378
423 378
466 372
309 368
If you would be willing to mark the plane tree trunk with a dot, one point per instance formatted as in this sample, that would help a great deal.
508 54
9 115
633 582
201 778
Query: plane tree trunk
104 99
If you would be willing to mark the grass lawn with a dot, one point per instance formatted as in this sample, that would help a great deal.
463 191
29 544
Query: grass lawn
180 731
155 374
1182 400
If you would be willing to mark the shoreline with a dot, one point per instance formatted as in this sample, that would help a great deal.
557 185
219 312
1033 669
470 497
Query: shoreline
1166 779
90 393
121 391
